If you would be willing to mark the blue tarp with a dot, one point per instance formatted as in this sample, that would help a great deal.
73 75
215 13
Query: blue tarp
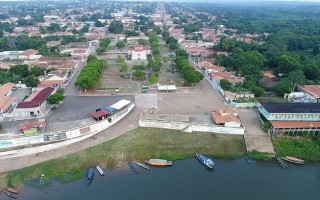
109 109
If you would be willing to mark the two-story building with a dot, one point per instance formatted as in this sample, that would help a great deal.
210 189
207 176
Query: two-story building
291 117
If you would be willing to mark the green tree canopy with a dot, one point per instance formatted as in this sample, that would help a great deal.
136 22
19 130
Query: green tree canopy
120 45
116 27
153 79
55 98
225 84
31 81
139 73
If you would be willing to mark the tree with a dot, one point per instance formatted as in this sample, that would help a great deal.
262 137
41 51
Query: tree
282 87
142 42
37 71
100 50
287 63
297 78
124 67
258 91
21 70
98 24
154 44
227 44
31 81
53 28
156 51
55 98
120 45
91 57
153 79
138 73
225 84
1 127
173 46
120 60
60 90
116 27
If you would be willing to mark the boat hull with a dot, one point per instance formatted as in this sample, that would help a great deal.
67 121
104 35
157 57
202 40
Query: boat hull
207 162
132 167
293 160
9 189
142 165
101 172
158 162
90 175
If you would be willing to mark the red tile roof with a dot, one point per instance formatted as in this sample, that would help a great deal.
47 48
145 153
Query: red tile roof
228 110
100 113
219 119
29 125
37 100
295 124
29 52
313 90
268 74
5 88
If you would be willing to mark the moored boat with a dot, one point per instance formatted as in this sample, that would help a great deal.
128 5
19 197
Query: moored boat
158 162
12 195
281 162
90 175
248 159
132 167
101 172
207 162
42 179
293 160
9 189
142 165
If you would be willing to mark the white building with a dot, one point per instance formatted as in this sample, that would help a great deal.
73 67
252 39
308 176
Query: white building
139 52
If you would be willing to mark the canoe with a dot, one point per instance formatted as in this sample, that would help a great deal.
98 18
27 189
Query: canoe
158 162
9 189
12 195
90 175
207 162
293 160
142 165
101 172
42 179
281 162
248 159
132 167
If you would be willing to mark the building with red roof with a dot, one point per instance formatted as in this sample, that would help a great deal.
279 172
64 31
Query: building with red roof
100 115
226 117
139 52
311 91
35 106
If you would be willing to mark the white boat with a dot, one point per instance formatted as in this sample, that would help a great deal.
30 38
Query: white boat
142 165
100 170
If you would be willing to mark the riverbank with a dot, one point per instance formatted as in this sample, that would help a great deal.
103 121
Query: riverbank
138 144
303 147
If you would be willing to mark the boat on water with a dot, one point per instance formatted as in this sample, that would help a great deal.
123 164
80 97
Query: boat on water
132 167
293 160
142 165
281 162
101 172
158 162
12 195
42 179
9 189
248 159
90 175
206 161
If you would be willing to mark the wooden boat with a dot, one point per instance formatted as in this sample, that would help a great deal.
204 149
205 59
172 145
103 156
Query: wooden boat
9 189
281 162
207 162
158 162
90 175
142 165
12 195
249 161
42 179
132 167
293 160
101 172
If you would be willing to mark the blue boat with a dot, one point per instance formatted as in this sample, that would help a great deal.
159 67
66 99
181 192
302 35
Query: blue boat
207 162
248 159
90 175
132 167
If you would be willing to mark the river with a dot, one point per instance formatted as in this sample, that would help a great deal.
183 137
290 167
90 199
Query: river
189 179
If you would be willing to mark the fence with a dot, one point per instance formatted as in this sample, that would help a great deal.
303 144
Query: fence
67 134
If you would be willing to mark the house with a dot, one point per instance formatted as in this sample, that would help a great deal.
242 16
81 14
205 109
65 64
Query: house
226 117
139 52
35 105
217 76
312 92
30 128
118 37
136 38
26 54
291 117
100 115
243 95
196 51
7 103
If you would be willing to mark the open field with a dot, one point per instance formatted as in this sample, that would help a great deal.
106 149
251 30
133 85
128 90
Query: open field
138 144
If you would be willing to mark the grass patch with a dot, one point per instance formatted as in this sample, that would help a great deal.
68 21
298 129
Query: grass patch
303 147
260 155
139 144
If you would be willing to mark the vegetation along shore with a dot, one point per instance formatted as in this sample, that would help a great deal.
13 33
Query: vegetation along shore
138 144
